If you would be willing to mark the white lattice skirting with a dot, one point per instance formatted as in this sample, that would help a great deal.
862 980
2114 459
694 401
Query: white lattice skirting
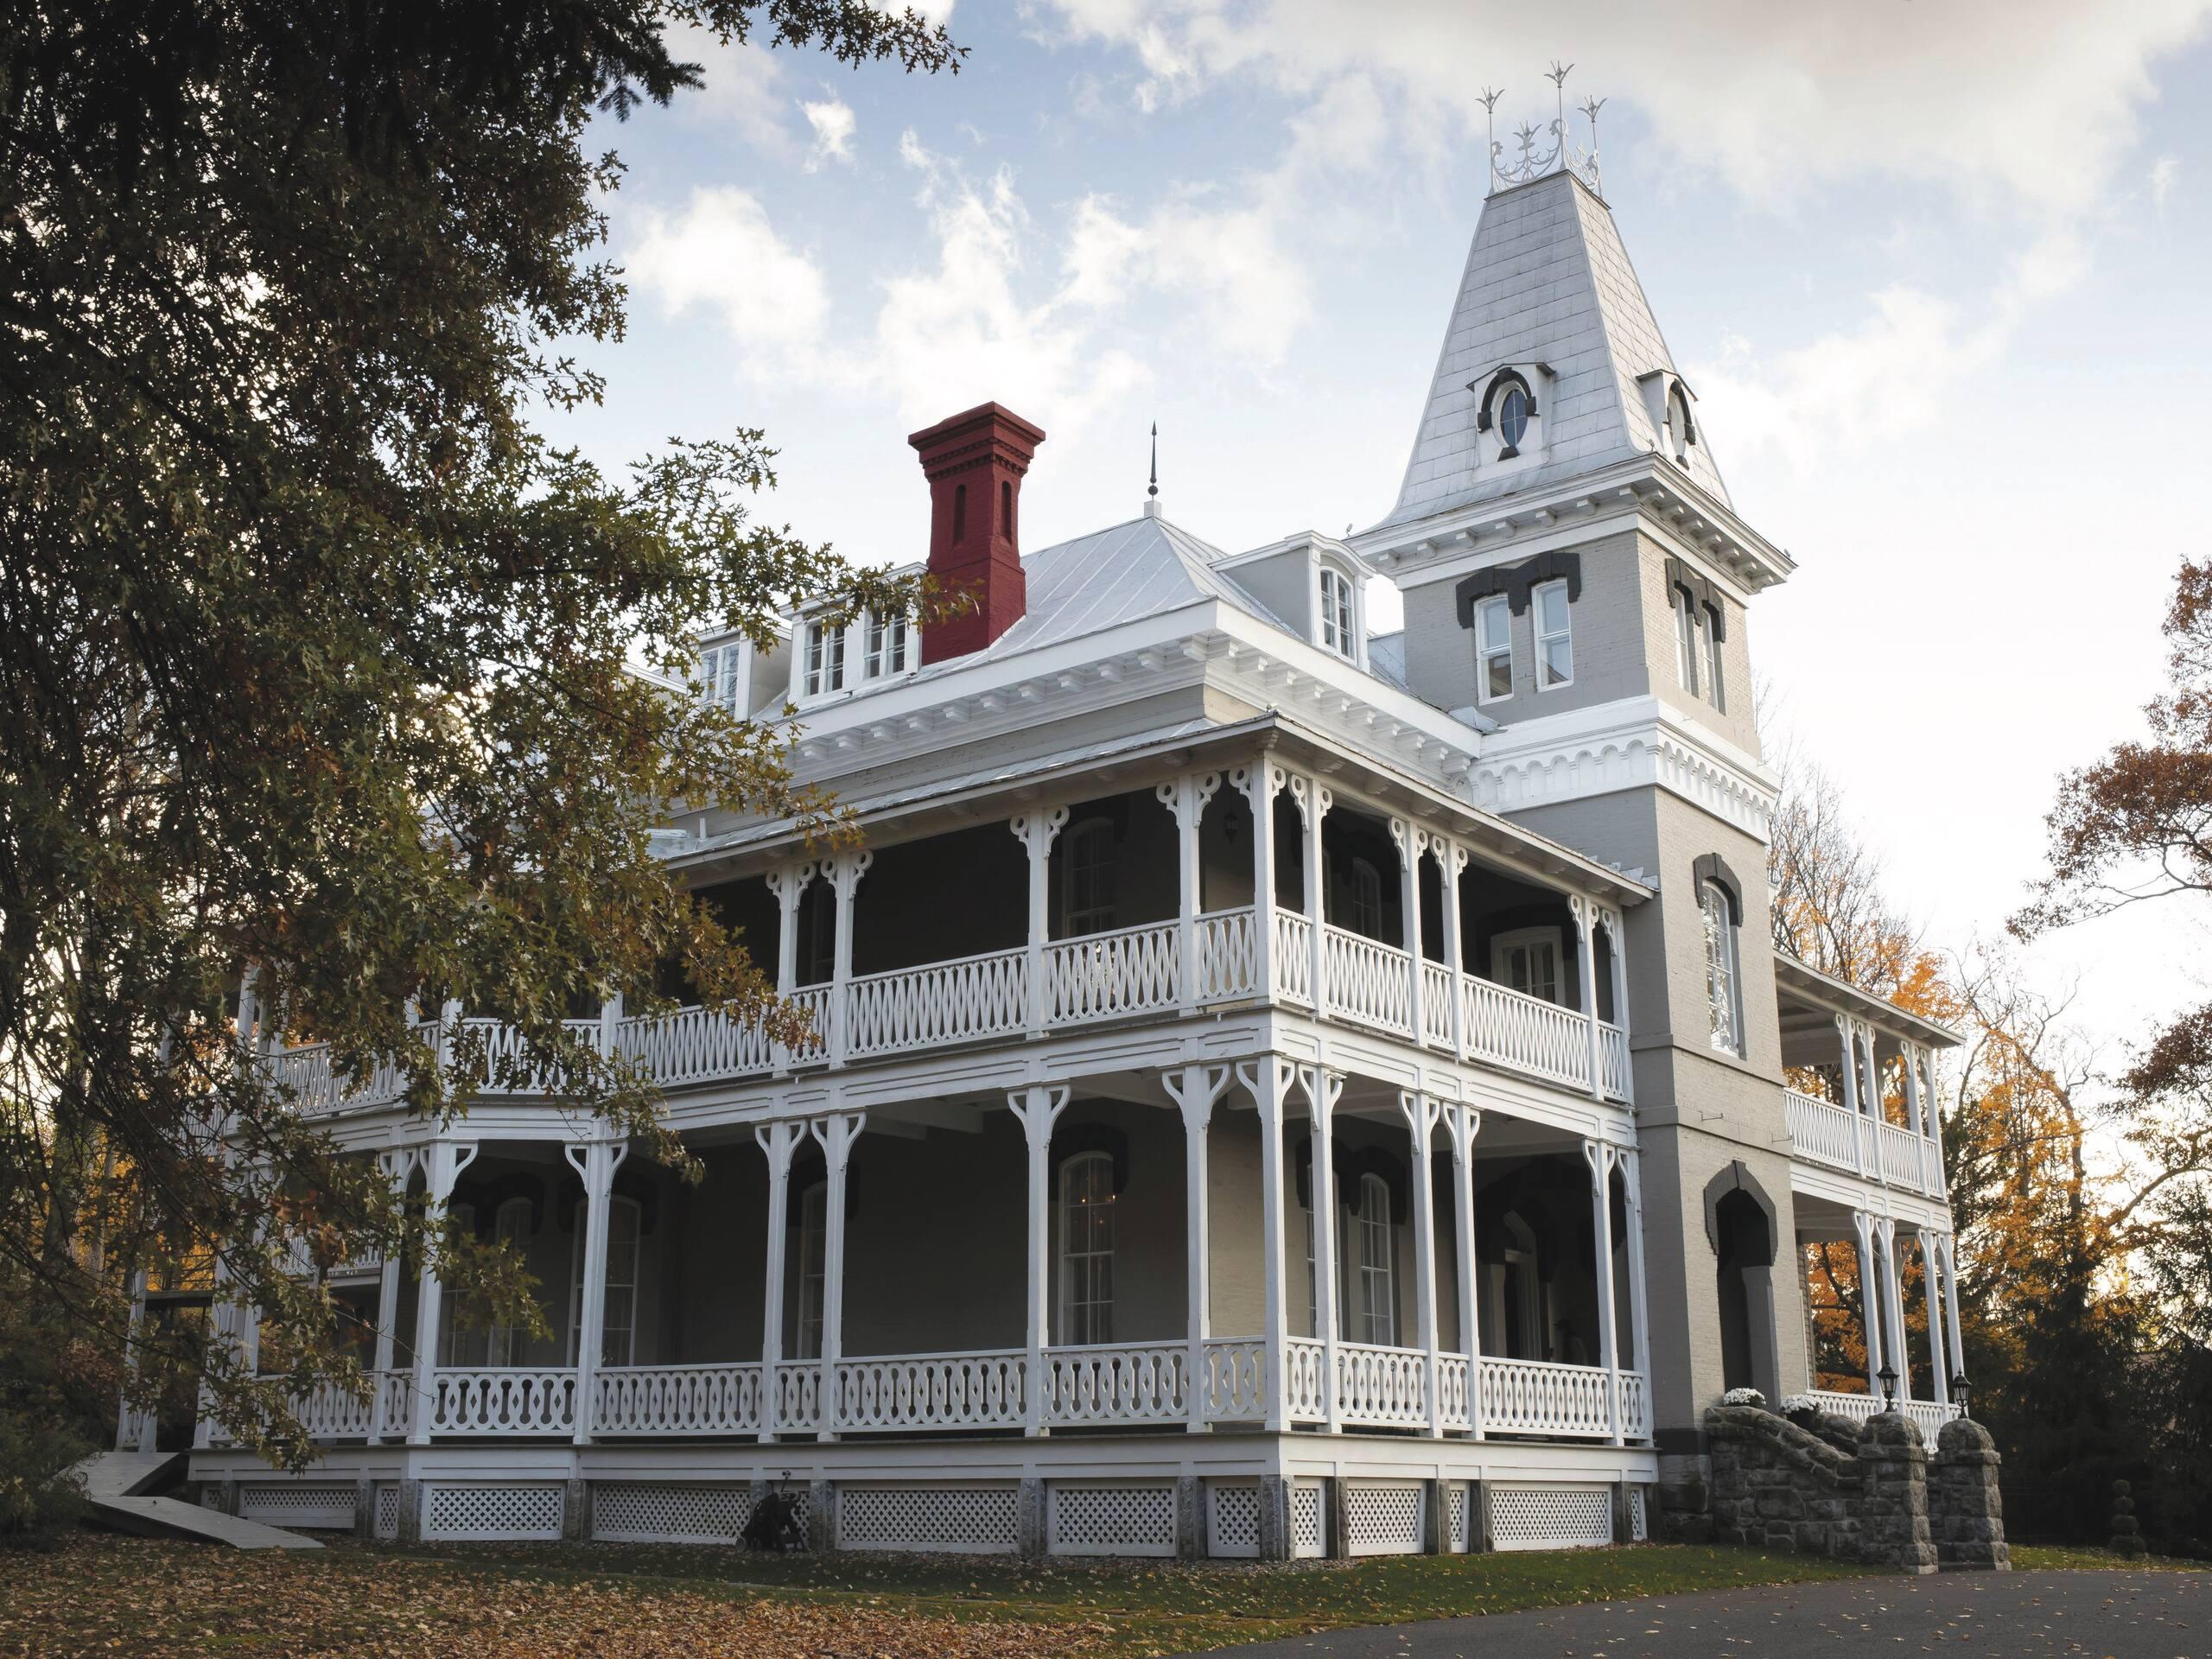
1233 1519
1384 1518
1550 1517
313 1507
974 1519
1639 1518
1098 1518
1308 1532
384 1515
487 1513
670 1512
1457 1516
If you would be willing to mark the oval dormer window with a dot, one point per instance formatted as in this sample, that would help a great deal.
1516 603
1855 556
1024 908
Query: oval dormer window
1513 416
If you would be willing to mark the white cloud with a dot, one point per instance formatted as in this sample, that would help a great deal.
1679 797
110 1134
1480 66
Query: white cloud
834 125
1768 97
721 254
741 89
2164 171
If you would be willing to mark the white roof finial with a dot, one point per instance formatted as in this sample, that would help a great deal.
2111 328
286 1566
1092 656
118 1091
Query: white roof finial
1533 159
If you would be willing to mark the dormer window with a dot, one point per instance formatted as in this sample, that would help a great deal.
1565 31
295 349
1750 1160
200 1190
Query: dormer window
1681 432
824 658
723 673
1337 616
888 647
1513 416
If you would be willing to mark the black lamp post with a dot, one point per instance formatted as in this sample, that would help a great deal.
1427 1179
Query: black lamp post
1888 1376
1958 1393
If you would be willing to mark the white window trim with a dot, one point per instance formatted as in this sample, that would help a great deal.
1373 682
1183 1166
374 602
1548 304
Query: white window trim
803 632
812 1271
1486 649
1542 639
1730 1041
865 629
1683 617
1340 617
1070 1170
627 1351
1376 1278
1715 687
1500 944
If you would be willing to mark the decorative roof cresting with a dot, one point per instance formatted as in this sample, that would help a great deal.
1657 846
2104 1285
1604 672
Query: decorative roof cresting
1530 161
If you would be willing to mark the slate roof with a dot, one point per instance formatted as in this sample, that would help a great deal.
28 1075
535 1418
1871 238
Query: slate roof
1548 281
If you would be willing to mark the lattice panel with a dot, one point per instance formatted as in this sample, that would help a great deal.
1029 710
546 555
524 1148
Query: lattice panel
1309 1535
384 1515
1639 1520
952 1519
1550 1517
1233 1518
802 1508
290 1505
674 1512
1112 1520
1458 1514
494 1512
1383 1517
211 1496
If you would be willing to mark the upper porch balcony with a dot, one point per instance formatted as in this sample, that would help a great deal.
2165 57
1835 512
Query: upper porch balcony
1206 890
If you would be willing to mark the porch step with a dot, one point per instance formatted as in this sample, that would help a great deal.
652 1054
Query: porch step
116 1484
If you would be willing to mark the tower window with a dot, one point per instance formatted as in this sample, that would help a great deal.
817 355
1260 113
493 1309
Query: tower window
1686 640
1513 418
1720 968
1555 641
1494 648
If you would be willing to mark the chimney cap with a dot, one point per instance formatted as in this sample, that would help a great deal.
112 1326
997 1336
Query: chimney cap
992 414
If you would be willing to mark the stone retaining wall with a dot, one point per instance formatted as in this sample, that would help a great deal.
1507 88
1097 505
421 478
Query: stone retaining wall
1782 1486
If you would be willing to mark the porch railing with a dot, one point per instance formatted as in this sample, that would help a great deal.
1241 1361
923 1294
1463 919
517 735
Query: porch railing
1821 1132
912 1391
1128 972
1528 1396
677 1400
1147 1383
1236 1379
1384 1388
1927 1415
502 1401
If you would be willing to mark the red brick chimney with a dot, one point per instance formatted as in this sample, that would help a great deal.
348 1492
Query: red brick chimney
974 463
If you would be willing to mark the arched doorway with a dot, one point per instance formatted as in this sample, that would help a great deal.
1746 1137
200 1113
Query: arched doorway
1742 1230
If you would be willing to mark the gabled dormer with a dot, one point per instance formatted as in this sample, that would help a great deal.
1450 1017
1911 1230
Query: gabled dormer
1315 585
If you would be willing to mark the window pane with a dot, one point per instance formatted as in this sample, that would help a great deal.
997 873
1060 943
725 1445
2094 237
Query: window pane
1552 602
1497 673
1497 624
1559 662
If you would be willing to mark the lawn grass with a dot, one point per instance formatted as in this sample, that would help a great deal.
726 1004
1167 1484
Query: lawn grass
2062 1558
1138 1609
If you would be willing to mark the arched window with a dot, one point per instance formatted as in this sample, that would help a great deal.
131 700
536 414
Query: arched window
1681 432
510 1227
1088 878
1373 1260
813 1264
618 1325
1337 617
1363 902
1723 993
1087 1248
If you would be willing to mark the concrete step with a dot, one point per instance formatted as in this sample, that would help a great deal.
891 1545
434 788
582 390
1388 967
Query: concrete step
116 1484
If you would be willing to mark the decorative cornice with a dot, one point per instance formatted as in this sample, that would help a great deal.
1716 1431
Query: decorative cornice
1648 748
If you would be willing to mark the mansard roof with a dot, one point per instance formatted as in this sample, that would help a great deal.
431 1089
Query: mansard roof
1547 280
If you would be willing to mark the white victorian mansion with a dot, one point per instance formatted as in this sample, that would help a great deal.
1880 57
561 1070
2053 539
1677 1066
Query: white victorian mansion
1279 1089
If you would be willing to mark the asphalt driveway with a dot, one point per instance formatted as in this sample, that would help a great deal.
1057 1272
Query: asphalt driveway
2116 1615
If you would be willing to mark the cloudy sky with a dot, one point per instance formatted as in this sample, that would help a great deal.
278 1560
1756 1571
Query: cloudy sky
1936 269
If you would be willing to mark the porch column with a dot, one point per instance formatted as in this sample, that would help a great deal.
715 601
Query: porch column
1639 1305
1259 783
788 883
1265 1079
1452 860
1939 1179
836 1132
1462 1122
844 872
1315 802
1587 974
442 1162
1185 797
1893 1298
1617 937
1420 1114
1950 1247
596 1163
1849 1041
397 1165
1932 1293
1600 1155
1323 1089
778 1141
1410 842
1194 1090
1036 831
1038 1107
1871 1317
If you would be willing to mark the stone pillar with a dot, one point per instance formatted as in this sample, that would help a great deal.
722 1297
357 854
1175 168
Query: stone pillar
1032 1521
822 1497
1966 1515
1274 1518
411 1496
1338 1545
1893 1494
1436 1518
1037 1109
1190 1518
575 1510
